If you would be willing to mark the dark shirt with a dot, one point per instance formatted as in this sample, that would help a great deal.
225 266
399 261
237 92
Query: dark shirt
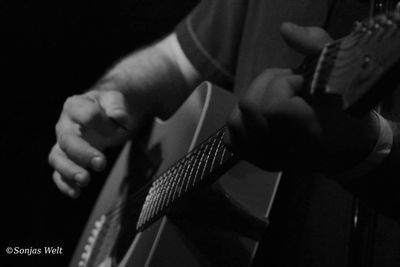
230 42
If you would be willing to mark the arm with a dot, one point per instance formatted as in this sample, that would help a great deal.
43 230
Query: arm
161 73
151 82
276 129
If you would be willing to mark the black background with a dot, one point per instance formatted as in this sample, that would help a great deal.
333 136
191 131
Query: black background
49 51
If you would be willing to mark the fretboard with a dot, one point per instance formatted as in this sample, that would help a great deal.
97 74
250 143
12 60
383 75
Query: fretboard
203 165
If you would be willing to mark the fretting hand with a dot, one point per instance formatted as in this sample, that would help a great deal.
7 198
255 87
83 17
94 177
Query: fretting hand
275 128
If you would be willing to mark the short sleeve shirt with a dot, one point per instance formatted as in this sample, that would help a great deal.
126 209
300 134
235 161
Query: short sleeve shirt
231 41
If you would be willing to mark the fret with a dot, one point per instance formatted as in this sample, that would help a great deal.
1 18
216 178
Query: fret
175 182
166 189
140 220
171 184
181 179
163 190
143 215
150 206
159 192
186 179
198 166
155 196
223 155
206 162
178 181
216 152
146 209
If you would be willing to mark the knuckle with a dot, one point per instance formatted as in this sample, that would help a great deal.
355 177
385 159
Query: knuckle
278 81
56 178
90 111
50 158
246 105
250 108
81 109
232 123
87 114
58 127
63 141
70 102
272 107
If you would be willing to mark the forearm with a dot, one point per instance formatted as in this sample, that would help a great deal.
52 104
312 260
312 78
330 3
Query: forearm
154 80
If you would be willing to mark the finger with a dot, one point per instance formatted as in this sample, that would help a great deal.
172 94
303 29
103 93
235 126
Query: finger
80 151
262 98
263 80
83 110
237 132
282 87
69 170
63 186
259 87
306 40
114 106
246 133
296 114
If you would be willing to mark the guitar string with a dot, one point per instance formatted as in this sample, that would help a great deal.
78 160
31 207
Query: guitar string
128 218
108 222
191 165
134 197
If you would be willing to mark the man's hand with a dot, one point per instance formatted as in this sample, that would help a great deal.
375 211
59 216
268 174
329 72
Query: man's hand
277 129
152 82
88 124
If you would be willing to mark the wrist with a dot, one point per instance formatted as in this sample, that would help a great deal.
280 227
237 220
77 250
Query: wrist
380 151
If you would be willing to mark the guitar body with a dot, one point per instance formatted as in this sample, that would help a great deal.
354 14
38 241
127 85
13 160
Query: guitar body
206 230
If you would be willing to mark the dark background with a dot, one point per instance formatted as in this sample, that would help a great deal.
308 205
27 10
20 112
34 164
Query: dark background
49 51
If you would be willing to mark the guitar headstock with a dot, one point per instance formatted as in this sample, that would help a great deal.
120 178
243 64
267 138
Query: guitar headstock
363 66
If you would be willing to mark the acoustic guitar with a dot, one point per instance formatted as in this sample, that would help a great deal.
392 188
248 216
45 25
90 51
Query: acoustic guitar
180 197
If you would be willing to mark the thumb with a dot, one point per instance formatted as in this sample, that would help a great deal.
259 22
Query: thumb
306 40
114 105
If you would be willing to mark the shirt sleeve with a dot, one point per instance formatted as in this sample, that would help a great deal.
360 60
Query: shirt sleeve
210 37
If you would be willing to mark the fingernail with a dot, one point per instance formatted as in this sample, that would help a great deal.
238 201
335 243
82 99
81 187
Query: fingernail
81 178
97 163
73 193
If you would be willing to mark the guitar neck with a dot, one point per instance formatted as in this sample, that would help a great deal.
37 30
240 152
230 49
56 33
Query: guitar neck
203 165
361 67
